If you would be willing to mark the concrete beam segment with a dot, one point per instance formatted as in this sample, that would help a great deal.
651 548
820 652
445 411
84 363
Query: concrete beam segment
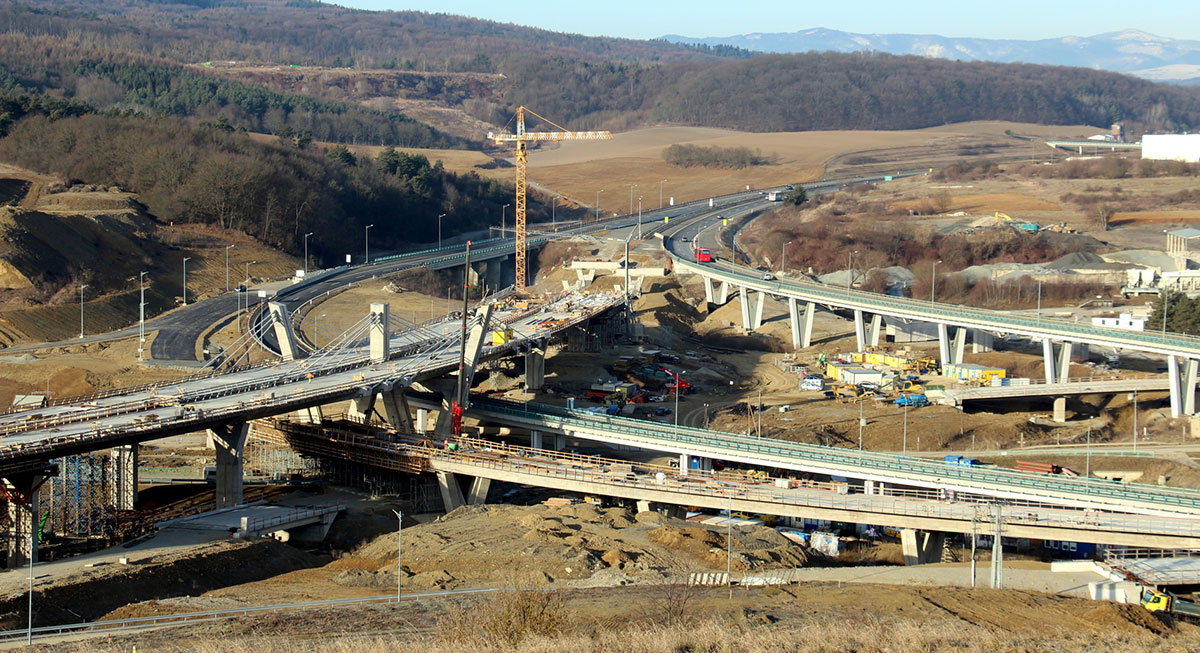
229 441
379 336
477 495
535 369
22 518
125 486
744 300
1048 359
452 496
1063 368
756 318
860 335
282 324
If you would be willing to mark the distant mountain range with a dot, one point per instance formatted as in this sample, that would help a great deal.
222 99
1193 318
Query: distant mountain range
1129 51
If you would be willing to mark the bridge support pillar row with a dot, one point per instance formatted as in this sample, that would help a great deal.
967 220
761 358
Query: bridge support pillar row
1048 359
452 496
379 333
229 441
477 495
921 547
535 440
1060 410
744 298
125 465
535 370
982 341
22 518
282 324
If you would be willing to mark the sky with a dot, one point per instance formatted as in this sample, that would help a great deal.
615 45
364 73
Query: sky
645 19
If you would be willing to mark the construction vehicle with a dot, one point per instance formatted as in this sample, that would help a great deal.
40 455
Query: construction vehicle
845 392
522 139
684 386
1062 228
912 387
914 401
1023 226
1156 601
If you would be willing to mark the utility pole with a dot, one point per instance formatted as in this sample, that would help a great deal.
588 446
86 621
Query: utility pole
631 198
660 194
598 204
142 317
185 260
306 237
367 244
440 230
81 287
399 550
998 552
227 248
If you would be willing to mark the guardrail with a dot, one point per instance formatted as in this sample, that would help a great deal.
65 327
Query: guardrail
719 443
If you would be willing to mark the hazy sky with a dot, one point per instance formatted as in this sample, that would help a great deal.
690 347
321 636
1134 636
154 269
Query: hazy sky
1011 19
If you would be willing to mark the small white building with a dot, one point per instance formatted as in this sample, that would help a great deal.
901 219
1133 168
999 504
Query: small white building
1122 321
1172 147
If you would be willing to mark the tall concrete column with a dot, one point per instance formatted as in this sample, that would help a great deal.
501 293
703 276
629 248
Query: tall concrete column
1063 369
535 369
873 330
422 420
744 299
125 488
1182 377
1060 409
756 310
535 440
685 464
723 293
380 332
281 322
229 442
560 442
23 513
860 334
951 344
1048 359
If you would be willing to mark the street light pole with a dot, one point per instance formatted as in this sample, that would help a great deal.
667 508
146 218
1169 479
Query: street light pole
399 550
227 248
440 230
933 283
598 204
850 269
1135 422
1039 301
783 257
905 450
367 244
861 423
631 198
706 416
185 260
660 201
141 315
81 287
1087 470
639 218
306 236
503 209
554 214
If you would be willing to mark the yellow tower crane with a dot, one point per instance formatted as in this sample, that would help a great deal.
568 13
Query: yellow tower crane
521 138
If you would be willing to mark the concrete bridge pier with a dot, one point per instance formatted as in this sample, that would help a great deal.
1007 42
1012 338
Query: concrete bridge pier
229 441
535 369
310 415
685 464
982 342
422 424
1060 410
752 311
670 510
951 344
921 547
716 293
1182 384
1057 365
360 408
23 512
125 488
397 410
535 440
379 332
801 331
452 494
282 323
866 335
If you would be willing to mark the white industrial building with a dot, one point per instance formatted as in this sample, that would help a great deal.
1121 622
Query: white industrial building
1172 147
1122 321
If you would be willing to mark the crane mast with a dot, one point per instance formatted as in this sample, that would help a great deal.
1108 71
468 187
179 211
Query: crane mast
521 139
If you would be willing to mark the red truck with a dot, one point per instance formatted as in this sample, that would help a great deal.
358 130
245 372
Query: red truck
701 255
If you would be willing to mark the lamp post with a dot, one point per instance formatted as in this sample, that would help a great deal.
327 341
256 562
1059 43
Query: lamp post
367 244
141 316
554 214
660 201
933 283
399 542
706 416
850 269
503 224
1135 422
783 257
861 422
678 381
598 204
185 260
81 287
1166 305
639 218
32 553
1039 301
905 449
306 237
440 230
227 248
631 187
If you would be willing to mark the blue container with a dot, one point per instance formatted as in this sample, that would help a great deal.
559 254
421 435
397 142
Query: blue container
953 459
